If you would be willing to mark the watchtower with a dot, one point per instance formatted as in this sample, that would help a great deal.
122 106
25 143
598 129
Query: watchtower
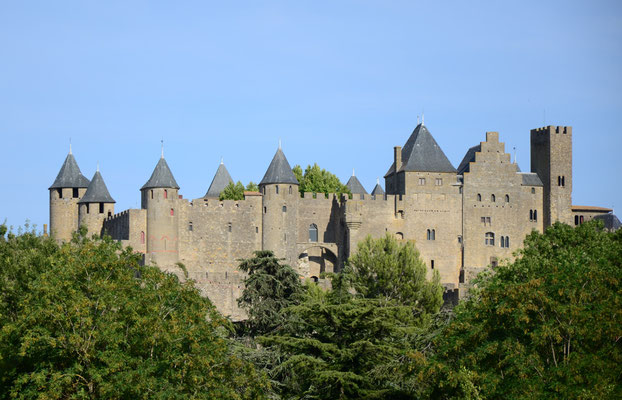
551 159
95 206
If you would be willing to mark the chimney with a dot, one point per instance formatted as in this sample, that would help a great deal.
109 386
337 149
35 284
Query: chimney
397 157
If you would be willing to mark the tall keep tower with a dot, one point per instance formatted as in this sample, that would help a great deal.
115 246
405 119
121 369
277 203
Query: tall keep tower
68 188
95 206
160 197
551 159
279 188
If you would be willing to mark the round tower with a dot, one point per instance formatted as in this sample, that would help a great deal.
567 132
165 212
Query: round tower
68 188
279 188
95 206
160 197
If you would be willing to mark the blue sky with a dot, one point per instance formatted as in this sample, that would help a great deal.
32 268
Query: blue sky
339 82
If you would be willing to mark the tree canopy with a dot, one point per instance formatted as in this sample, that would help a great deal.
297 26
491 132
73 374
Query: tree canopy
318 180
236 191
87 320
548 325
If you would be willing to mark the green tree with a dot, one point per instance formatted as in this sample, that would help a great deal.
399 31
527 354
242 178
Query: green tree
318 180
252 187
546 326
346 343
269 288
87 320
232 192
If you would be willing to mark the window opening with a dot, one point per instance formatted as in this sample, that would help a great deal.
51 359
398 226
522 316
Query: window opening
60 193
190 226
493 198
507 198
432 264
229 226
290 189
439 182
165 194
152 194
87 208
313 233
277 189
490 239
576 220
563 181
172 212
535 215
533 190
581 219
101 208
142 237
75 193
479 197
284 208
265 210
422 181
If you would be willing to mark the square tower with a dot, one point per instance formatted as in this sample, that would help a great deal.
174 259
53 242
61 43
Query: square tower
551 159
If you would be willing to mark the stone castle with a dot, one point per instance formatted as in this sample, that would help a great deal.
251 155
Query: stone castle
461 219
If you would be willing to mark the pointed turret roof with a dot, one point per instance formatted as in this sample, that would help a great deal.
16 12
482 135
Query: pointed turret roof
377 189
69 175
162 177
97 192
422 153
355 185
220 181
279 171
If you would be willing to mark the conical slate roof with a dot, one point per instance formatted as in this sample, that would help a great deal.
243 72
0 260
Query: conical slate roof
97 192
220 182
279 171
377 190
161 177
355 186
69 175
422 153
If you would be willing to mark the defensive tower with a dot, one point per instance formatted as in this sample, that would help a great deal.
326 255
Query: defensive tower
67 189
551 159
279 188
95 206
160 197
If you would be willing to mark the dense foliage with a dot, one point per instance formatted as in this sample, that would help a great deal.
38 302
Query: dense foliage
318 180
236 191
547 326
86 320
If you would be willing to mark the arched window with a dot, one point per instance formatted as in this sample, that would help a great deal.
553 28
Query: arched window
429 236
493 198
535 215
576 220
531 215
479 197
172 212
165 194
313 233
399 235
284 208
490 239
433 234
533 190
507 198
581 219
142 237
507 241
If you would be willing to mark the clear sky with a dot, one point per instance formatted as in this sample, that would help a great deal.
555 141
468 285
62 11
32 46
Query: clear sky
339 82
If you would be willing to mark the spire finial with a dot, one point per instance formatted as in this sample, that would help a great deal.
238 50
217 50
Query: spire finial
279 143
70 152
352 171
98 166
222 160
514 154
162 143
421 118
377 181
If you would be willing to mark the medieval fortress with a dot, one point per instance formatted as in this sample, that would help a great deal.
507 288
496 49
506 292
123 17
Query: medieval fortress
461 219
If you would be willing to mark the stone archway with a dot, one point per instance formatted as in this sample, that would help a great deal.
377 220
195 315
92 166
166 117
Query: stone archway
315 260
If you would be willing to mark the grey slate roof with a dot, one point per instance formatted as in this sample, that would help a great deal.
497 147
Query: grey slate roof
377 190
355 186
610 221
279 171
531 179
69 175
468 158
220 182
422 153
97 192
161 177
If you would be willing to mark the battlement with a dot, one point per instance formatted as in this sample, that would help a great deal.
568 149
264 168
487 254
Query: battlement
226 205
122 215
318 196
368 198
552 129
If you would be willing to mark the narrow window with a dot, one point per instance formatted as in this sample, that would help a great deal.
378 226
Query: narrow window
489 239
142 237
460 239
87 208
152 194
284 208
433 234
533 190
172 212
190 226
576 220
535 215
75 193
563 181
559 181
439 182
502 241
256 229
488 221
60 193
101 208
507 198
277 189
507 241
165 194
531 215
461 278
479 197
313 233
484 221
493 198
432 264
290 189
109 214
581 219
229 227
285 237
422 181
429 236
265 210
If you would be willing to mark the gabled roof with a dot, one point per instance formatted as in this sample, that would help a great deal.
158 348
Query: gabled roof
279 171
422 153
162 177
355 186
69 175
531 179
220 182
377 190
468 158
97 192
